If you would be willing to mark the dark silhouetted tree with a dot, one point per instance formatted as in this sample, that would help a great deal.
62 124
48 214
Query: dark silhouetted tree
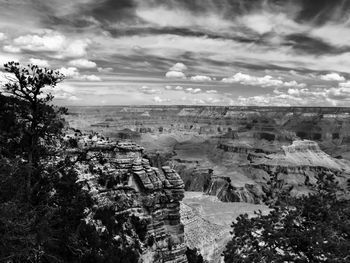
33 123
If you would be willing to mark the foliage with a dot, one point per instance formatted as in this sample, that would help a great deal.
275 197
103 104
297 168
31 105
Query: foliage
31 125
314 228
193 256
45 215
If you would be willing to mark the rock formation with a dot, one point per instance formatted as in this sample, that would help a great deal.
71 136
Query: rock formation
244 146
142 201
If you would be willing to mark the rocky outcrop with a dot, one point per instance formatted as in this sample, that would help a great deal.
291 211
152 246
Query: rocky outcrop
137 204
226 192
293 170
202 234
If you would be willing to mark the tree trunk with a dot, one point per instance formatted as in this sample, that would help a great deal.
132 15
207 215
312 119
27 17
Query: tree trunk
29 175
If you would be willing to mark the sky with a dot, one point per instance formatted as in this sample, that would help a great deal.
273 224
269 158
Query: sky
185 52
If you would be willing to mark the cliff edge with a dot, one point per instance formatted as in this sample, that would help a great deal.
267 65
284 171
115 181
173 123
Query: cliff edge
135 204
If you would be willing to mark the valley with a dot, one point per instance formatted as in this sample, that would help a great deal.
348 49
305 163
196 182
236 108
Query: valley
232 160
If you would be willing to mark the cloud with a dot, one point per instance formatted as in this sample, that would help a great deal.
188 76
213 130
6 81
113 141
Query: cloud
179 88
178 67
266 22
66 96
297 92
193 91
11 49
69 72
82 63
90 78
266 81
176 71
211 91
64 91
158 99
55 44
74 98
175 75
338 93
345 84
200 78
179 17
39 62
105 70
2 36
73 73
332 77
337 34
148 90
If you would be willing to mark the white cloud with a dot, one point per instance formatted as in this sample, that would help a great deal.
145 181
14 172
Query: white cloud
70 72
212 91
345 84
191 90
297 92
90 78
168 87
148 90
213 100
265 22
179 17
39 62
74 98
179 88
158 99
200 78
56 44
47 42
82 63
11 49
2 36
332 77
338 93
293 83
335 34
179 67
64 91
266 81
175 75
104 70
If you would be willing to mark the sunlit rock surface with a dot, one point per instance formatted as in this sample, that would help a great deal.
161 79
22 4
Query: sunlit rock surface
207 222
123 184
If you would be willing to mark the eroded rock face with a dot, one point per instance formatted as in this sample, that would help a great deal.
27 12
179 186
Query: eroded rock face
291 169
226 192
248 145
141 201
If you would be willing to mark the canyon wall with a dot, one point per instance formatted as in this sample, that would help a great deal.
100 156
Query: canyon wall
269 123
235 153
137 204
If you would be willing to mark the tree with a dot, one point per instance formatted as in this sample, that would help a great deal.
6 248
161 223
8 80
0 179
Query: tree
37 122
314 228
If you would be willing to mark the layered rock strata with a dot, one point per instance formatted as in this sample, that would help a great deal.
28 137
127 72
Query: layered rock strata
293 170
124 185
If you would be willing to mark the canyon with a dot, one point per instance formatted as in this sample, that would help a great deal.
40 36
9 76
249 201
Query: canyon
231 160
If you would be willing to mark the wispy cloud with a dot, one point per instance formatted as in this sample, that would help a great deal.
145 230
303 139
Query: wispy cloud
262 52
